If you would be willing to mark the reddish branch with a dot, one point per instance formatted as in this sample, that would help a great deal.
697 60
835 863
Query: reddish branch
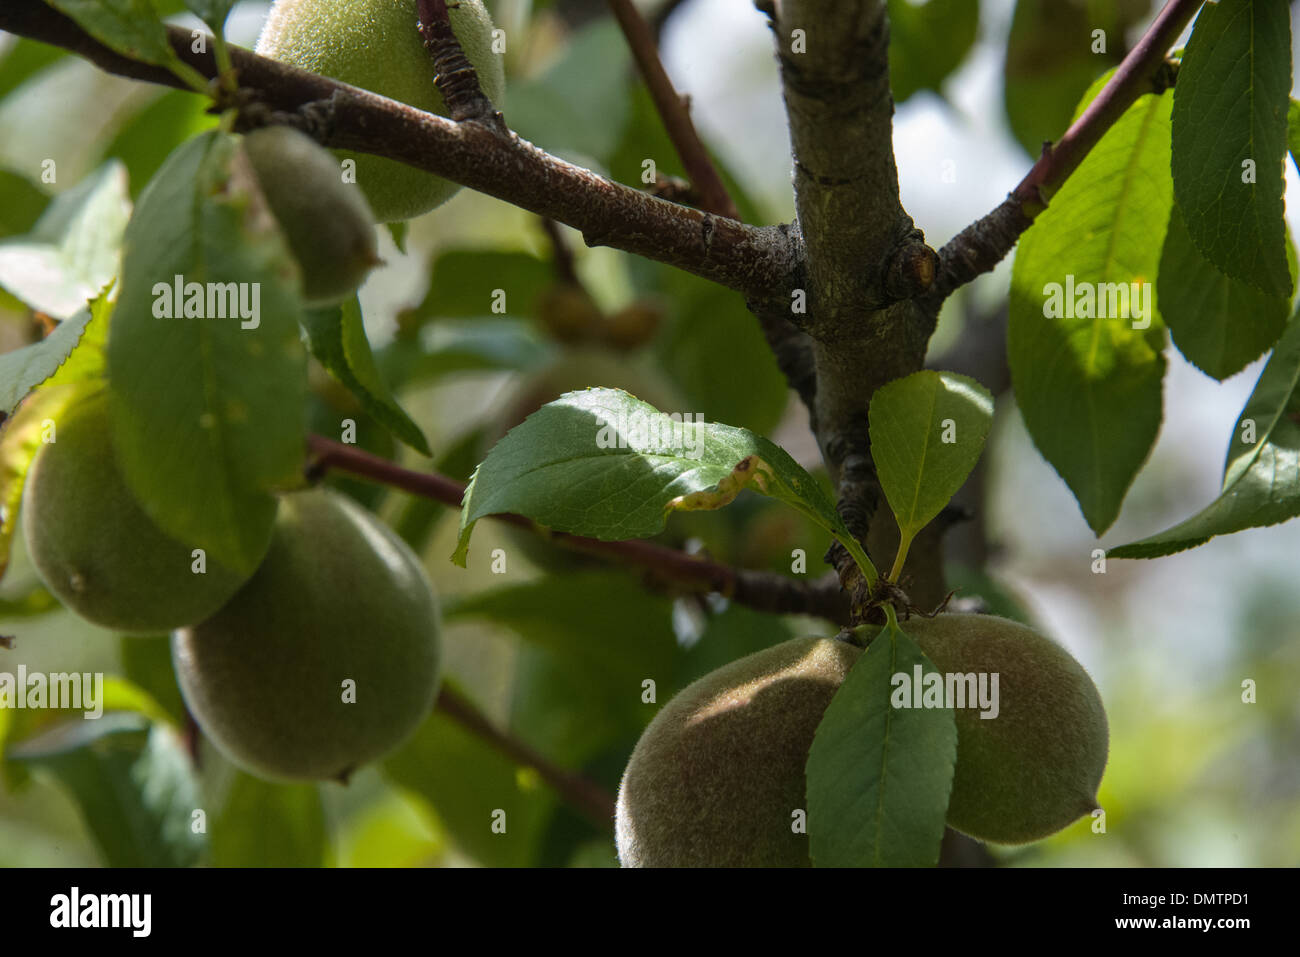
675 112
585 795
481 155
764 591
983 244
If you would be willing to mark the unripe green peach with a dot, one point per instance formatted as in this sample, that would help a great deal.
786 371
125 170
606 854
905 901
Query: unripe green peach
94 546
719 772
327 658
374 44
716 775
1035 767
326 222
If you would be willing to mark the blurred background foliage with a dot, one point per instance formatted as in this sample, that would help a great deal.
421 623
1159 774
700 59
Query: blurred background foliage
556 649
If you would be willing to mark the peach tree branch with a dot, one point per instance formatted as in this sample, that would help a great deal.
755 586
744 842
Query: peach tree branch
674 110
578 791
485 156
761 590
983 244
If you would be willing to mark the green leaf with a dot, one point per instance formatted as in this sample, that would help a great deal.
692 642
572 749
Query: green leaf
1261 482
1230 107
1219 324
211 12
135 787
337 338
1293 132
879 776
72 253
1089 386
927 431
22 206
555 110
72 354
208 413
928 41
22 59
145 140
1051 58
470 784
398 231
463 282
24 369
605 464
463 345
707 321
265 824
147 664
131 27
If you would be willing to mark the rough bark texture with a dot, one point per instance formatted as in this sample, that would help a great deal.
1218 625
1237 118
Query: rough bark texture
865 258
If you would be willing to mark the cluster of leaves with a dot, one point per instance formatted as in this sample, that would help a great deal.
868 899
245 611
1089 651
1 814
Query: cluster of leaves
1184 194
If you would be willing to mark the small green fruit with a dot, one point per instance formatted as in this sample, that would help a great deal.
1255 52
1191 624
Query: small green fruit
715 777
719 772
374 44
327 658
327 223
1035 767
94 546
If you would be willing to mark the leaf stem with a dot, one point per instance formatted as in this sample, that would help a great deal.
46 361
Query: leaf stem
904 543
225 65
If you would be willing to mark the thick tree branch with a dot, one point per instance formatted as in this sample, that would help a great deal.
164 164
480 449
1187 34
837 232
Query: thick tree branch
581 793
675 112
866 260
983 244
480 155
761 590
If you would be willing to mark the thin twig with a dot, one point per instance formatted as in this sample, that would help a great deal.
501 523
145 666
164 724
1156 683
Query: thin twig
761 590
580 792
562 256
456 78
983 244
674 110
